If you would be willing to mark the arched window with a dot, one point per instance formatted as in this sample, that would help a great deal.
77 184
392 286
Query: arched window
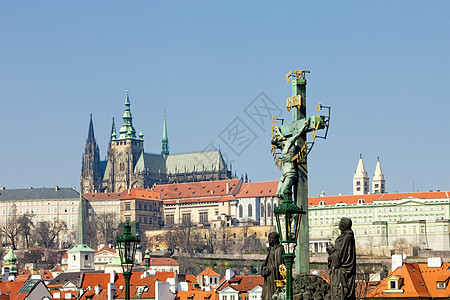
240 211
269 210
262 210
250 211
121 167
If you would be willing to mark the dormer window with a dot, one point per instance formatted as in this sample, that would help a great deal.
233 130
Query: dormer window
393 285
360 201
441 285
322 203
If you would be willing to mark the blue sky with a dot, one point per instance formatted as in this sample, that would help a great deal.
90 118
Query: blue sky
383 66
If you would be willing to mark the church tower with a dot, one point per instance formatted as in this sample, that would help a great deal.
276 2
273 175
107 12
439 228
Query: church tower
124 152
378 183
81 256
360 179
90 167
165 140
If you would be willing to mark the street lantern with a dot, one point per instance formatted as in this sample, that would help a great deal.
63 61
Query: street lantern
288 216
127 243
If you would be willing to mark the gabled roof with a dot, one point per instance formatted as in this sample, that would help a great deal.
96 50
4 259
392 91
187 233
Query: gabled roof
105 248
163 261
242 283
144 194
370 198
150 162
198 189
195 161
39 194
413 285
13 288
208 272
258 189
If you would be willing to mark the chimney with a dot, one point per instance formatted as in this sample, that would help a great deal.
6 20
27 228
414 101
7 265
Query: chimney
434 262
97 289
112 276
111 290
56 188
3 188
229 274
228 187
397 262
30 188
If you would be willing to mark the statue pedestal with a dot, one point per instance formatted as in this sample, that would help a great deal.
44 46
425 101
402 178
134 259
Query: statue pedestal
306 287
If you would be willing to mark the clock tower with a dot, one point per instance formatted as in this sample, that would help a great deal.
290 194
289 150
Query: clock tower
124 151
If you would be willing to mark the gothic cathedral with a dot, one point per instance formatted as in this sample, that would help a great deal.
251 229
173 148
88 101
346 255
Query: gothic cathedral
128 166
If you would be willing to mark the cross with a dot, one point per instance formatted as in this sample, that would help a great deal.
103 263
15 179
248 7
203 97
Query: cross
291 138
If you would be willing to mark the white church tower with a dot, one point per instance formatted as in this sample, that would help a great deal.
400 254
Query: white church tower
378 184
81 256
360 179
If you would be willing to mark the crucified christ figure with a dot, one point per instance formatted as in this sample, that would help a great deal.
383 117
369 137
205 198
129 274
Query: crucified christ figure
289 173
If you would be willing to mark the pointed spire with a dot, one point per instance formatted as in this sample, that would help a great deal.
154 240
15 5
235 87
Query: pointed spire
81 235
127 130
360 179
91 137
360 170
165 140
113 130
378 173
378 182
141 135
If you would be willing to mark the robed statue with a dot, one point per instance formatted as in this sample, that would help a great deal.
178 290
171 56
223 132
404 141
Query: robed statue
342 263
270 267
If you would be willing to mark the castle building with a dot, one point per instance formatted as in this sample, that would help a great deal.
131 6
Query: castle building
128 166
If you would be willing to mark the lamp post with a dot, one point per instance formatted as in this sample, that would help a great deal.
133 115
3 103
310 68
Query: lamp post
127 250
288 216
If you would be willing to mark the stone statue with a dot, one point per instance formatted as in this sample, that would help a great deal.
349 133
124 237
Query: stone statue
342 263
288 151
270 267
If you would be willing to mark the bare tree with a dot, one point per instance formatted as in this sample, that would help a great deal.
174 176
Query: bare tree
10 227
401 246
106 224
25 224
48 232
252 244
226 238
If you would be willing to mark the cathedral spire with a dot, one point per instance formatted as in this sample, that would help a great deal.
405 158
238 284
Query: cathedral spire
165 140
127 130
113 130
91 137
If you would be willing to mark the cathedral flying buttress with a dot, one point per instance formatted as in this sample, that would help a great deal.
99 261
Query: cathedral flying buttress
128 166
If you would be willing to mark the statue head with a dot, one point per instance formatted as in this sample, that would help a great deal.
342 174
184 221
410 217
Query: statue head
276 140
345 224
274 238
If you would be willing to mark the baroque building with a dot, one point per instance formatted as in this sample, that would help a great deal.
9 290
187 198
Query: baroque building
128 166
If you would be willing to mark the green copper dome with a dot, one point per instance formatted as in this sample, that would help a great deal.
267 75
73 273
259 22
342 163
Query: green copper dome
10 258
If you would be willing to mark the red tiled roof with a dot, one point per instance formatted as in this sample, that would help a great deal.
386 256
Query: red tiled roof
198 189
208 272
103 196
144 194
196 295
163 261
201 200
243 283
370 198
105 248
258 189
418 281
13 287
